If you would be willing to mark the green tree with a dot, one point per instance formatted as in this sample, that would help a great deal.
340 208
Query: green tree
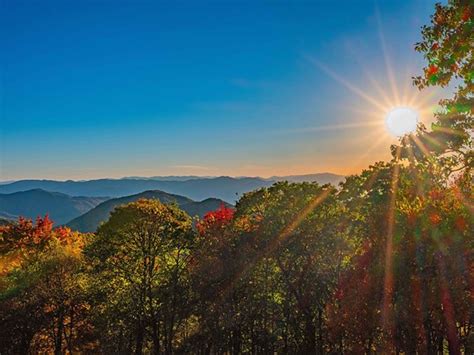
140 258
448 46
272 271
409 288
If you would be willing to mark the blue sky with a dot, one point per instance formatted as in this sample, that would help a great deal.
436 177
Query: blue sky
117 88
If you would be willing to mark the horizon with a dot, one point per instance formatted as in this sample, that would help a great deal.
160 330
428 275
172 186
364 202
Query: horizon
274 92
176 176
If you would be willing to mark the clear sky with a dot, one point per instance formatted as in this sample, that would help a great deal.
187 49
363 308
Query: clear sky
95 89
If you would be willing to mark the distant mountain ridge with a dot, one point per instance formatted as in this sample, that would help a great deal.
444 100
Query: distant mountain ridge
37 202
197 188
167 177
32 198
89 221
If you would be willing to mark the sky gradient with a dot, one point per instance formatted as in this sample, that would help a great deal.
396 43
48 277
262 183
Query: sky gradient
135 88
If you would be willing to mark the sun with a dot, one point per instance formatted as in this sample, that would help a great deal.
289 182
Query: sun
401 120
383 110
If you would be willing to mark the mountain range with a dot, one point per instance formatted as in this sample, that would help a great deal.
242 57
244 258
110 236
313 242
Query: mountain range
83 205
33 203
89 221
86 213
197 188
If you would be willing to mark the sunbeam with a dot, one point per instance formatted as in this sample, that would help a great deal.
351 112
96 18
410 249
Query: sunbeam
377 142
449 131
382 104
432 140
388 279
448 308
347 84
334 127
388 67
420 145
274 244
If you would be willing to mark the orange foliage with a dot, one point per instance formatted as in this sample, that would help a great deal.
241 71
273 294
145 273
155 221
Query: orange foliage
24 234
435 218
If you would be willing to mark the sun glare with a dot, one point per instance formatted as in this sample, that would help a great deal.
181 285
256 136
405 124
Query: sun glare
385 107
401 120
397 106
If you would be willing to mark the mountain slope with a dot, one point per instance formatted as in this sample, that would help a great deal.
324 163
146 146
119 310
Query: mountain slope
33 203
200 208
89 221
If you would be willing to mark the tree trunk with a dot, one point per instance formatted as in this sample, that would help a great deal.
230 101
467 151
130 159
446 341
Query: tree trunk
320 330
26 338
309 346
59 334
156 338
139 339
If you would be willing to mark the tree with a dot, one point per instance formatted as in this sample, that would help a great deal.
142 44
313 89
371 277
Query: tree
140 258
268 273
42 305
409 288
215 264
448 47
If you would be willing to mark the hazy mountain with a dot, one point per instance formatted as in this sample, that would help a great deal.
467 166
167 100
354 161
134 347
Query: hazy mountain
197 188
33 203
8 216
89 221
225 188
168 178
